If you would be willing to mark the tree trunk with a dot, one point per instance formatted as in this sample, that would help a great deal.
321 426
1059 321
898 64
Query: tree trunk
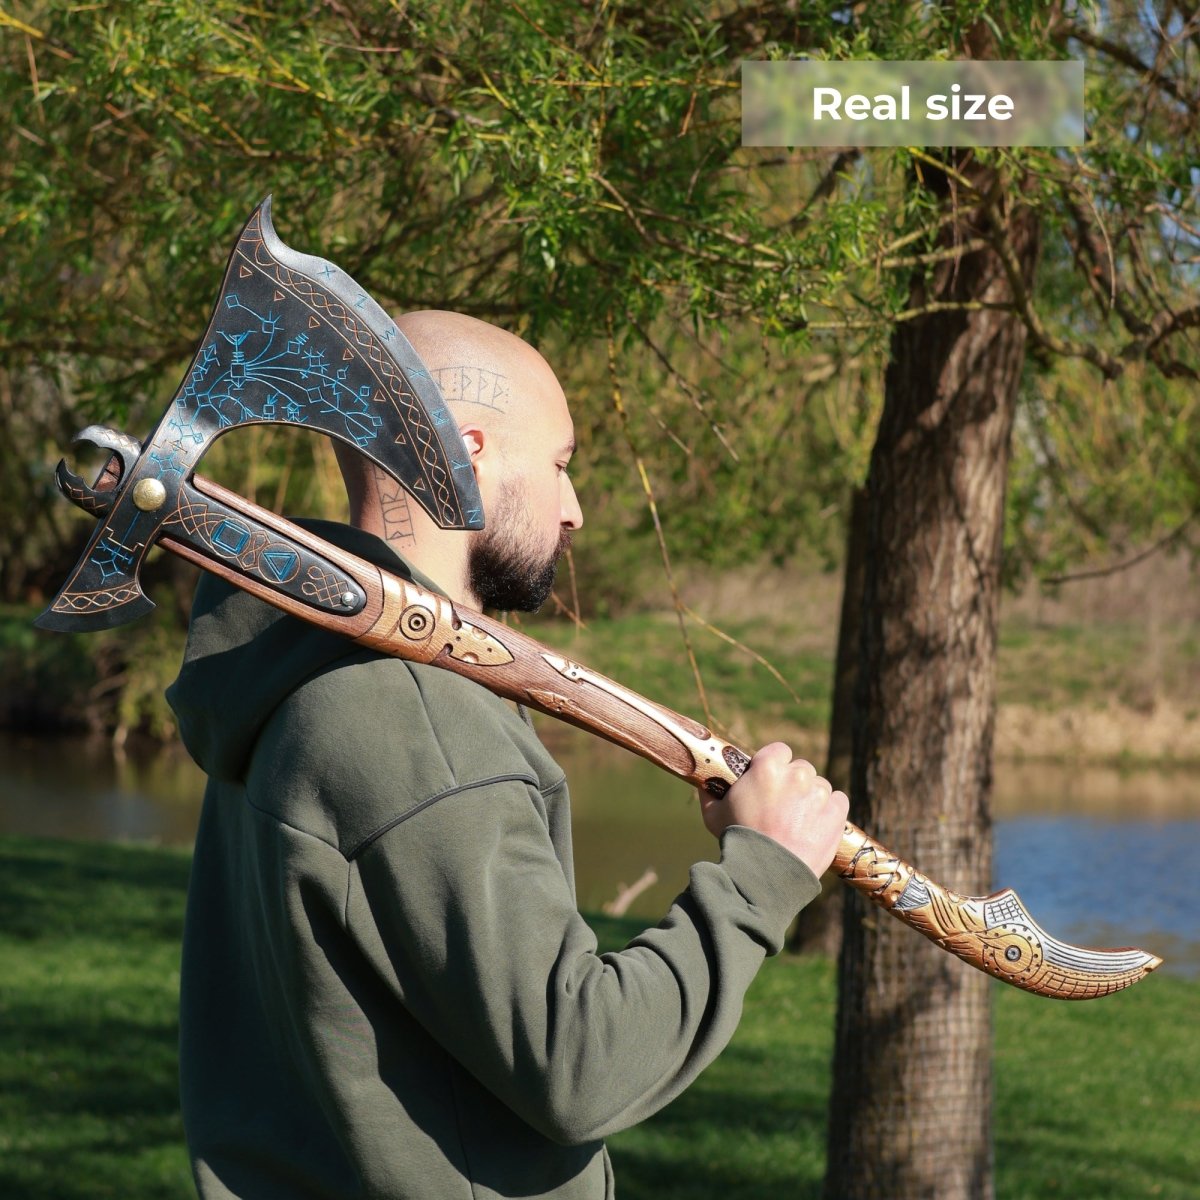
910 1110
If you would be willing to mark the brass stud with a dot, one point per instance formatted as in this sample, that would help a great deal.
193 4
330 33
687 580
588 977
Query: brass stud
149 494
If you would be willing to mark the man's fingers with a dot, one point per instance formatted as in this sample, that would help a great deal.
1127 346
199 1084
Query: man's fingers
772 755
805 773
776 757
785 799
822 786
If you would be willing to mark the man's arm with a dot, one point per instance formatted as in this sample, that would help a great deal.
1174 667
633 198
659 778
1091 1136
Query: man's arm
465 911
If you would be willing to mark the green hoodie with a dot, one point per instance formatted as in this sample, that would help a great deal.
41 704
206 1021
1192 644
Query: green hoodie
387 990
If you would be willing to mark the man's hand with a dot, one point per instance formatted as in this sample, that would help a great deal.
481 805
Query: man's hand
785 799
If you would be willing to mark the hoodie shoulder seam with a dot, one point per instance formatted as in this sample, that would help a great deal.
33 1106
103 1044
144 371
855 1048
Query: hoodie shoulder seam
420 806
307 833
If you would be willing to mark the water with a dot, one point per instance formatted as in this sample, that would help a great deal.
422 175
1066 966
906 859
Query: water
1126 888
1100 857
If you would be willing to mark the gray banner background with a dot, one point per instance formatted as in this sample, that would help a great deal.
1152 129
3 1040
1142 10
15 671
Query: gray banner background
1047 103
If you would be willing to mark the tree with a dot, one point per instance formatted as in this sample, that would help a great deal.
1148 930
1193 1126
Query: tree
925 712
912 1058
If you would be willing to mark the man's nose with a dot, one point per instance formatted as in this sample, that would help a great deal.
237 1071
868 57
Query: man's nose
572 514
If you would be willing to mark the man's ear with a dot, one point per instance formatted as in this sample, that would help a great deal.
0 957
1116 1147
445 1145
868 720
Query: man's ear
474 439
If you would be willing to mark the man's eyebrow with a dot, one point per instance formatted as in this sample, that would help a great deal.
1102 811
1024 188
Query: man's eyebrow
568 448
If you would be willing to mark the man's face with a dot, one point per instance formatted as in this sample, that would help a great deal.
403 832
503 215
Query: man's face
529 502
509 565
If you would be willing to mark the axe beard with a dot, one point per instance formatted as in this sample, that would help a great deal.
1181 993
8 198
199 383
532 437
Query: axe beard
506 570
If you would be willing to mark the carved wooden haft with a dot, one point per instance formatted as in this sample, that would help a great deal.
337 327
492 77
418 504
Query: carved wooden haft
993 933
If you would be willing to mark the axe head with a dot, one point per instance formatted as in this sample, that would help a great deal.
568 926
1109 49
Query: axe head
293 340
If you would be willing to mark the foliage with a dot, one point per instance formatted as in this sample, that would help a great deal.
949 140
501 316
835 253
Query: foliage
574 172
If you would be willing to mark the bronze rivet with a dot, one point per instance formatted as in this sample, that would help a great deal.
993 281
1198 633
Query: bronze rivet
149 494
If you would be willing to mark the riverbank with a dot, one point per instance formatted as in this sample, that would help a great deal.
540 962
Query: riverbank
1103 671
1093 1099
1107 672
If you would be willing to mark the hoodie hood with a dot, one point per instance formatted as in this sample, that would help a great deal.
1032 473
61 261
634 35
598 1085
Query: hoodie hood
244 657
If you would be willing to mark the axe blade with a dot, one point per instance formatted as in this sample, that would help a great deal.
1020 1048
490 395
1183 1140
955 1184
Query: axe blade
292 340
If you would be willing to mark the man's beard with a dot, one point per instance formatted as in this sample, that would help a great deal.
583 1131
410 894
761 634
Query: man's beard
505 570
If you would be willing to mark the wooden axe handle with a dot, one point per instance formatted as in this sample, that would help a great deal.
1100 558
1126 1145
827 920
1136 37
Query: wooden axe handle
993 933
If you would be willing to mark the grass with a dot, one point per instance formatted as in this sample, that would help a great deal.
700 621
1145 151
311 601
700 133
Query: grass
89 941
1052 667
1092 1100
1049 668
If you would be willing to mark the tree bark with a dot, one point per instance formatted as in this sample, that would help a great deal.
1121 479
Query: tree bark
910 1110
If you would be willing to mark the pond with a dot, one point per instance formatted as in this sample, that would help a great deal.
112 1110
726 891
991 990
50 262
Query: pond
1095 853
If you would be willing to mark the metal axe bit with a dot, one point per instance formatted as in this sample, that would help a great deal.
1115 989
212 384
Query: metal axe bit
293 340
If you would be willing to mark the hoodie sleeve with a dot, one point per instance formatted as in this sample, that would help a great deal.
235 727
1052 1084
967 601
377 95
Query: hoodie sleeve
465 911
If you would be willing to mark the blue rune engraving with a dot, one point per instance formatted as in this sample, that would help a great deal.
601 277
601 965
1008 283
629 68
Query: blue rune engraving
166 461
112 558
247 372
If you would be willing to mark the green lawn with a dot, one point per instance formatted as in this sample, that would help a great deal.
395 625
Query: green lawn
1092 1100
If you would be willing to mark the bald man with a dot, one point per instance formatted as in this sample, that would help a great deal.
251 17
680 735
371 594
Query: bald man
514 421
386 988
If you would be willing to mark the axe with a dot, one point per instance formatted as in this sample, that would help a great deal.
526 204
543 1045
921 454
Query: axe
295 341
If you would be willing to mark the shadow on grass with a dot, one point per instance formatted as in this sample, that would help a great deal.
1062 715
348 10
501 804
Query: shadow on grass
91 1108
1069 1149
90 890
722 1143
753 1125
89 939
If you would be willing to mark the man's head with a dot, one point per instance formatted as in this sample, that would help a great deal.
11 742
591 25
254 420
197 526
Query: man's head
514 421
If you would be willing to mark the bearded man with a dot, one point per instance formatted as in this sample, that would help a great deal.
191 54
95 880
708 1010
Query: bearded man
387 990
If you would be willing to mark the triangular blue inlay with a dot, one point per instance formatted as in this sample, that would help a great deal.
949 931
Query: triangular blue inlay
281 563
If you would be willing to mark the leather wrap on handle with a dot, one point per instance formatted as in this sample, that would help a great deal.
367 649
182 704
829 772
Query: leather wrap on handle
993 933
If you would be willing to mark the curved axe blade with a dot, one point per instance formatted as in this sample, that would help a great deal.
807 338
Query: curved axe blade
293 340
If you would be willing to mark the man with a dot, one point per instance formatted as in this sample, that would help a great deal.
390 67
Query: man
386 988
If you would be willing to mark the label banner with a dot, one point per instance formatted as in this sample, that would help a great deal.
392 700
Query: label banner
965 103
